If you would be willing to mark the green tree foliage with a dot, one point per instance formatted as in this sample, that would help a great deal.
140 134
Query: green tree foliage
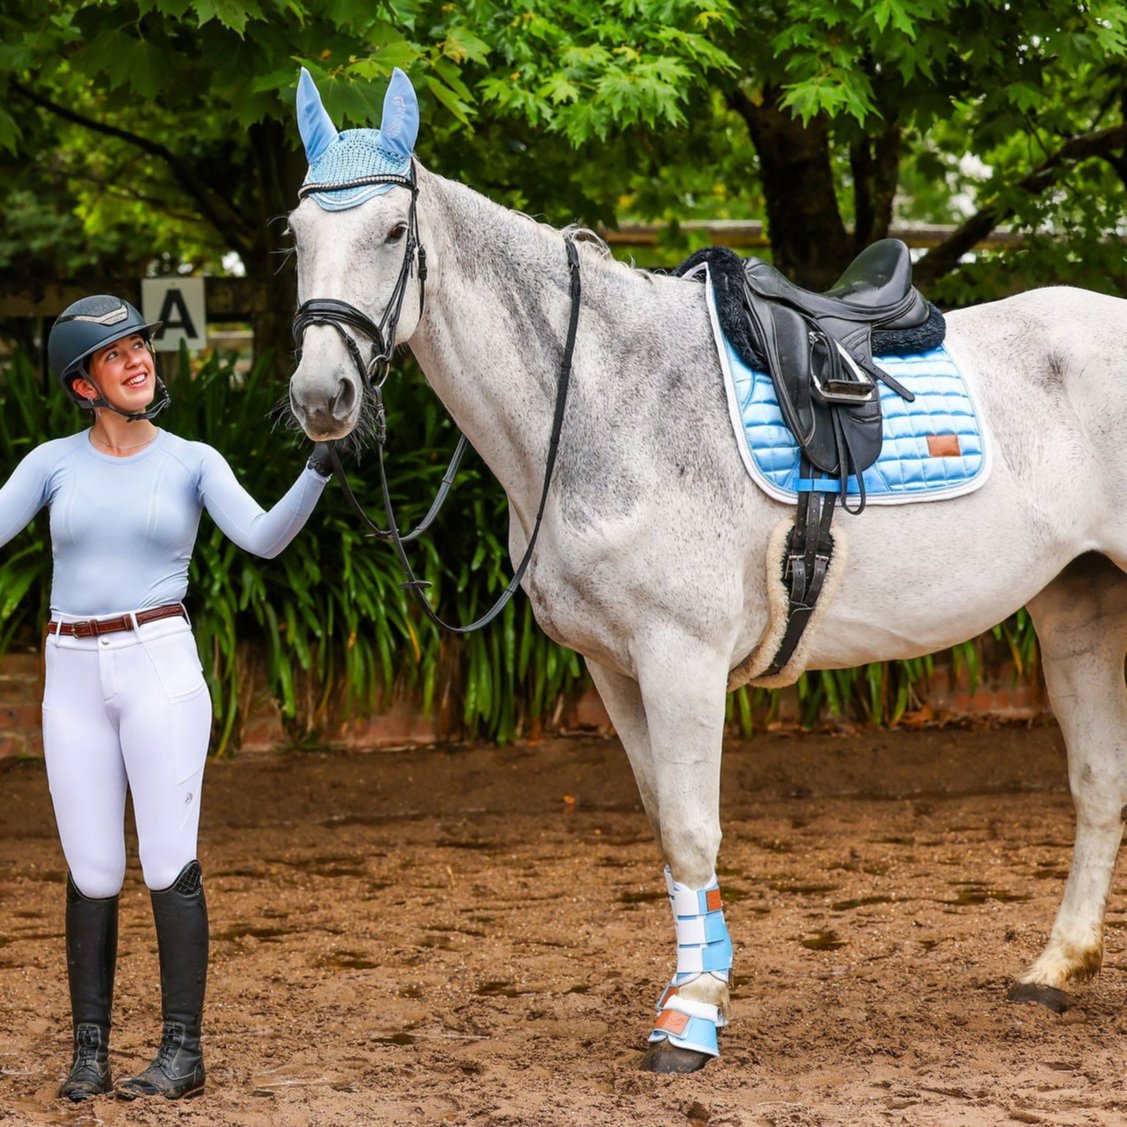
157 132
147 136
841 98
186 109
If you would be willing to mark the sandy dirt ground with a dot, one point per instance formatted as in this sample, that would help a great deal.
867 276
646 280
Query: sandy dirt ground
476 936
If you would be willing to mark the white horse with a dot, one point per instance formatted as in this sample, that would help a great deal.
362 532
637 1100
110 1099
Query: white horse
656 548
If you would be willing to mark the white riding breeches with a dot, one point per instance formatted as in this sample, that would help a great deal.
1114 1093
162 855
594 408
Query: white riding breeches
127 710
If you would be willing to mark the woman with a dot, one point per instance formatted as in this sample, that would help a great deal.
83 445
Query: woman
125 705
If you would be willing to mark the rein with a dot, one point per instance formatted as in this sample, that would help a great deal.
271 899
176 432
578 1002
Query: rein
374 530
340 315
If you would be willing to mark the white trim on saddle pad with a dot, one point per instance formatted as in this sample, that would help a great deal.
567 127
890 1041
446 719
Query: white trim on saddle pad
908 471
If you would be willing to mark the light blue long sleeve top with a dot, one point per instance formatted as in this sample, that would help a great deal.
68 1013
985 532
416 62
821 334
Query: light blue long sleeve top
123 529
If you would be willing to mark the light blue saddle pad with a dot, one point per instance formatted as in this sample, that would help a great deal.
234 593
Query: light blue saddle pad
934 447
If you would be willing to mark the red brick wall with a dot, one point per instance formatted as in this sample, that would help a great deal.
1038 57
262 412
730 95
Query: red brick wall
944 698
21 694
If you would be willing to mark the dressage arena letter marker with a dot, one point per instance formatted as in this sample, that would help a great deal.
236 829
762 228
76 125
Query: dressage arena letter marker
180 305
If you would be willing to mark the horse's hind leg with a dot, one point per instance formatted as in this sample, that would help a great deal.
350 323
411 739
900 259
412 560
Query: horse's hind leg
1081 621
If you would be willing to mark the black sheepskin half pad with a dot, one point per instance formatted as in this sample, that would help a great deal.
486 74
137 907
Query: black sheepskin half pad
726 269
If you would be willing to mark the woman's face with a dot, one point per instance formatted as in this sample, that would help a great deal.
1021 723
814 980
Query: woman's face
124 372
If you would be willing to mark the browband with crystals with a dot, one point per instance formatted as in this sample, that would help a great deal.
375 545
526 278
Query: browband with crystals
358 182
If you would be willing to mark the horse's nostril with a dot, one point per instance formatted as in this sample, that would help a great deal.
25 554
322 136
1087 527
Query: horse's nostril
296 409
343 401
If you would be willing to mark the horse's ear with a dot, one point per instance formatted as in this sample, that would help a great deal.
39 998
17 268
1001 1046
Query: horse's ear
400 125
317 129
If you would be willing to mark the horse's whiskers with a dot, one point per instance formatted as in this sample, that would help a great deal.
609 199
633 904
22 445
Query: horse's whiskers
282 418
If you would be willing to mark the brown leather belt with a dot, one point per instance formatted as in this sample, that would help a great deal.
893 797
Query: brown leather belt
95 627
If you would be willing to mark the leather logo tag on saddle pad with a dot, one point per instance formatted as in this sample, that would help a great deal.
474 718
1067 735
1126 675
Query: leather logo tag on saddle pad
943 446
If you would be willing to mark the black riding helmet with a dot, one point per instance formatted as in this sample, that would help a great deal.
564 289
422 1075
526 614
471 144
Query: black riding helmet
87 325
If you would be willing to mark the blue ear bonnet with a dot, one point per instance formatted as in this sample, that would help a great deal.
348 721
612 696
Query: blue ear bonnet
343 162
355 155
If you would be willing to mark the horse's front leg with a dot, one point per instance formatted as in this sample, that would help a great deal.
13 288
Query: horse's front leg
622 699
1081 621
672 723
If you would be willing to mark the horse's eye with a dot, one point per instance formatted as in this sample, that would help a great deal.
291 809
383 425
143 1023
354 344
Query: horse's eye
397 232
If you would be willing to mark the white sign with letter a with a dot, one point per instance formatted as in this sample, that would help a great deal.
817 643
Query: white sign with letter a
180 305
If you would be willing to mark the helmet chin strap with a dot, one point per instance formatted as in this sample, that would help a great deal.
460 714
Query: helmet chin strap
163 400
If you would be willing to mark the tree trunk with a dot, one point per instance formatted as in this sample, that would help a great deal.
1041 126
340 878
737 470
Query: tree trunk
809 241
875 163
278 172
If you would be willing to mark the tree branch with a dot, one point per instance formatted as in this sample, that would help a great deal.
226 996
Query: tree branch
944 258
222 217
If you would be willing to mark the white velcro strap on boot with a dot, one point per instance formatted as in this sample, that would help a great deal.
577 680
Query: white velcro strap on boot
701 929
685 1005
691 901
716 958
674 988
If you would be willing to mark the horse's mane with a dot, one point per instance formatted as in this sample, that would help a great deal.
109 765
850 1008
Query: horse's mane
586 239
594 250
584 235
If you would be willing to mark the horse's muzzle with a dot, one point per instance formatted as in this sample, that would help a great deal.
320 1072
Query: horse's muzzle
322 417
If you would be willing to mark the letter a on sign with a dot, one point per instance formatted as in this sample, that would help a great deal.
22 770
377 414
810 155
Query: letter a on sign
178 303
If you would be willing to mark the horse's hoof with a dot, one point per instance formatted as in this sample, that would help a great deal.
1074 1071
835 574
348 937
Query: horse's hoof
1048 996
661 1056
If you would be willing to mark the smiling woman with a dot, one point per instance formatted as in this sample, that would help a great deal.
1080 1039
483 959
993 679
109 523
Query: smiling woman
122 379
103 342
125 706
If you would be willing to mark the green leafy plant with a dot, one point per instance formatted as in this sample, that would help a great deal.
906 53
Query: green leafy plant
327 624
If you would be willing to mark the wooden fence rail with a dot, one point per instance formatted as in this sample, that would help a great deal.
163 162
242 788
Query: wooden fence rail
246 299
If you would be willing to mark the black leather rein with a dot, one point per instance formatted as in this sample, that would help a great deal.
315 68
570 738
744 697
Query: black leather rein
342 316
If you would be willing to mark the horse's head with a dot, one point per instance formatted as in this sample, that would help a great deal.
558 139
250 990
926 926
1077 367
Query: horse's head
359 264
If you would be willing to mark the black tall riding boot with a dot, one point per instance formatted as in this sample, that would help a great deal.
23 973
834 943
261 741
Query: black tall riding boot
91 927
180 913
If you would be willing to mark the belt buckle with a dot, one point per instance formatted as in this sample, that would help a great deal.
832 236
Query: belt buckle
85 628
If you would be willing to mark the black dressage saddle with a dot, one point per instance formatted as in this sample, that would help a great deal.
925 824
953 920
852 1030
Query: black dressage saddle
819 347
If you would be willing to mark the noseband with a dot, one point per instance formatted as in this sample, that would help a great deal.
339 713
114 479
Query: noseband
341 316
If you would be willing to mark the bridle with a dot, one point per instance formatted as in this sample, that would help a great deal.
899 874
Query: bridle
342 317
338 314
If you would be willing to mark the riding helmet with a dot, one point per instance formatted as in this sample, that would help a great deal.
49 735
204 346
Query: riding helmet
87 325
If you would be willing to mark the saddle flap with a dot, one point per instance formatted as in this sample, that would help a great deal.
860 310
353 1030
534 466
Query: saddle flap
782 338
830 404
